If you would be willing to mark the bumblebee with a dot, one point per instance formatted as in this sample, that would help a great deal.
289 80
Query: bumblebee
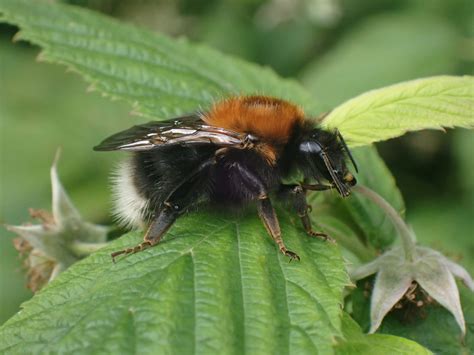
236 153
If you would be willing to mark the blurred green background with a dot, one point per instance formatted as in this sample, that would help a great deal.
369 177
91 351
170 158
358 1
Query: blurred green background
337 48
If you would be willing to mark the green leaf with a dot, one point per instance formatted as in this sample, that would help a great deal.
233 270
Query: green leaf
356 222
161 76
437 102
355 342
374 223
215 285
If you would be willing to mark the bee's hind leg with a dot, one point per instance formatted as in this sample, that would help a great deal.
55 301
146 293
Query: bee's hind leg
186 194
298 196
155 231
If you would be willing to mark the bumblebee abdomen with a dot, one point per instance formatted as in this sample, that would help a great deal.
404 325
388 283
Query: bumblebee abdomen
265 117
143 182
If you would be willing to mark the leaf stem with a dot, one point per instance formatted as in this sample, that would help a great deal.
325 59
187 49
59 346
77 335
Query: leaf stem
406 235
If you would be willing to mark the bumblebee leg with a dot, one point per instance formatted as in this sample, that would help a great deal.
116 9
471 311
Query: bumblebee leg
298 194
189 192
316 187
254 185
270 221
153 235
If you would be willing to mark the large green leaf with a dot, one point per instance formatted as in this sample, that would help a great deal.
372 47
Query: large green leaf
437 102
160 76
216 285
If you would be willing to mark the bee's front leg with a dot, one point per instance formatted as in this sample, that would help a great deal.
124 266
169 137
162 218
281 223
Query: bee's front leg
297 193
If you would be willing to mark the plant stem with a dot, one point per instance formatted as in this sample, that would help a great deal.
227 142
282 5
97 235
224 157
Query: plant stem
406 235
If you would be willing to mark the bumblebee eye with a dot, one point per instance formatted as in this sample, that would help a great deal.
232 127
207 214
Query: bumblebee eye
310 147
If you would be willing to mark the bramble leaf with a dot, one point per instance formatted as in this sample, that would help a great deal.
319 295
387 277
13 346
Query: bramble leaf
431 103
215 285
161 76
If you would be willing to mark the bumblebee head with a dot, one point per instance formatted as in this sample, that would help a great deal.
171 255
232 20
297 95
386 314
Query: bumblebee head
324 156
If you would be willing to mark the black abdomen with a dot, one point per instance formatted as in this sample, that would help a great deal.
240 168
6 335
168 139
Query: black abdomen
224 182
159 172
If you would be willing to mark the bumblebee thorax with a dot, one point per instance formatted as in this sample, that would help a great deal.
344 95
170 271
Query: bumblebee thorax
268 118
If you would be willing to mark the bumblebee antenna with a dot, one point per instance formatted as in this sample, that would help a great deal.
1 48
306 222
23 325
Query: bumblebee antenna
344 145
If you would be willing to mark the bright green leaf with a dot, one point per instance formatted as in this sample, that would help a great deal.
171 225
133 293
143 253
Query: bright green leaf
215 285
431 103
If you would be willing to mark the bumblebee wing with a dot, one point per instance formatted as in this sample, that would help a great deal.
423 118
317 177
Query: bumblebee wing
186 130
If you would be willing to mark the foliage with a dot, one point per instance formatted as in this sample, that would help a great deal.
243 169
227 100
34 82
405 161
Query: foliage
360 343
432 326
377 228
237 282
217 286
392 111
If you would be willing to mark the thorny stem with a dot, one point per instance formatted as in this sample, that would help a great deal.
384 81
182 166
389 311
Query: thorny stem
406 235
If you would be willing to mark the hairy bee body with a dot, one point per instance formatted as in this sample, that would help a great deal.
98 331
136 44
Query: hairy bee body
237 152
